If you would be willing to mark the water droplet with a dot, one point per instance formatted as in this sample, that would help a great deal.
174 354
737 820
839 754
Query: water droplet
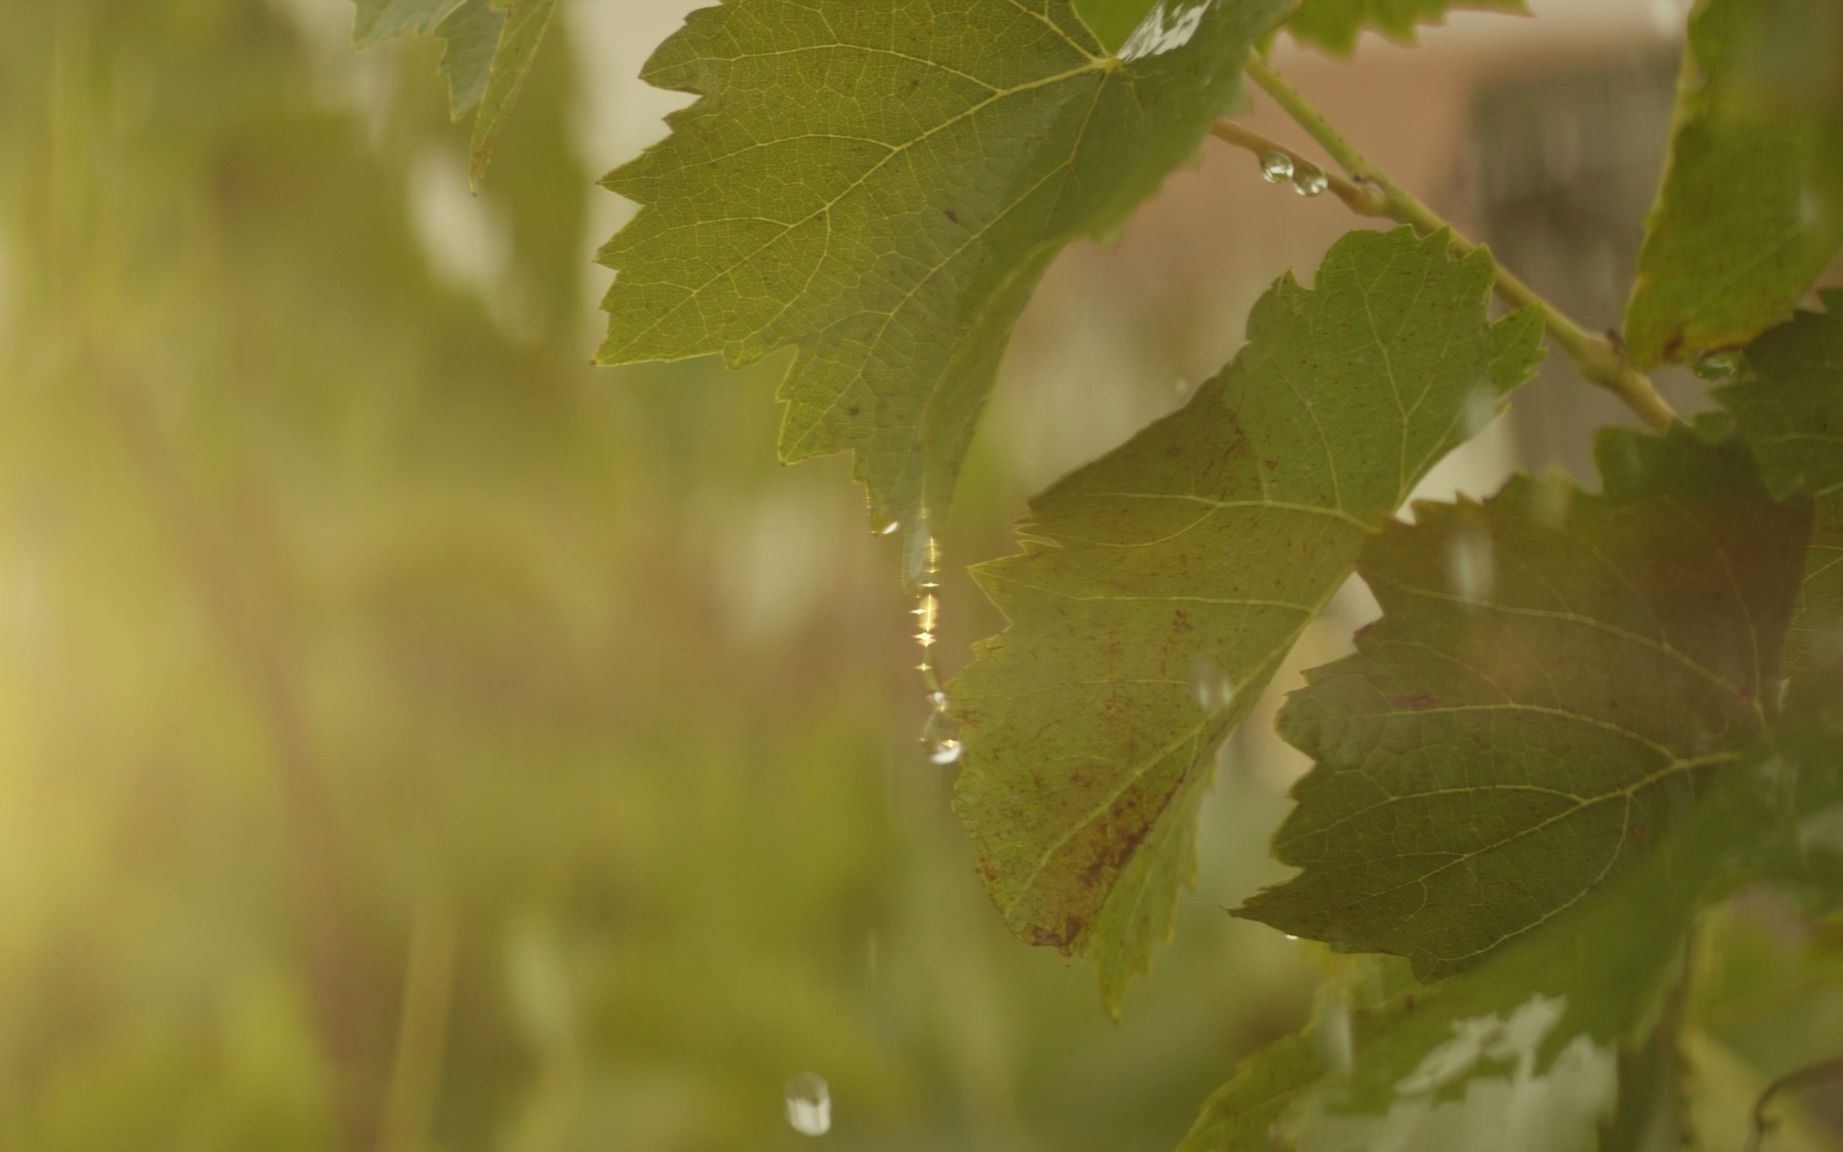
1310 180
1214 689
1294 939
941 735
1277 167
927 611
921 555
1471 563
890 529
1717 366
809 1104
937 700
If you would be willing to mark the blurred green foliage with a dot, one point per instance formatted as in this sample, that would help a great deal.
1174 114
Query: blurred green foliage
414 739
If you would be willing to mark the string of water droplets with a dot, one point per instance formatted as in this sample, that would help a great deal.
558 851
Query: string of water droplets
1308 179
940 734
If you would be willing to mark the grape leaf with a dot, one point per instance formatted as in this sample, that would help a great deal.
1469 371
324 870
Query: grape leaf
1333 24
1527 1041
1112 21
380 20
1207 542
490 48
1791 410
1751 207
1555 677
882 182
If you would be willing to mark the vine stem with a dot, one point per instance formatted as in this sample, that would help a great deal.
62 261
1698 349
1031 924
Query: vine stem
1369 192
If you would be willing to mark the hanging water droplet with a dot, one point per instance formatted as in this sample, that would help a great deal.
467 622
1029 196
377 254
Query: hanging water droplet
1471 563
1310 180
920 555
809 1104
890 529
937 700
1213 687
1717 366
927 611
941 735
1277 167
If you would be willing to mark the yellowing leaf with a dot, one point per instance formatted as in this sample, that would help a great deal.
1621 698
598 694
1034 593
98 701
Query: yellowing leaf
1556 677
881 182
1161 585
1333 24
1751 208
1791 410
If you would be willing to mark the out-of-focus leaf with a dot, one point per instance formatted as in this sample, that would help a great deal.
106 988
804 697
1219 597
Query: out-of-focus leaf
490 48
381 20
1333 24
1521 1051
1790 408
1751 207
1555 678
1161 585
882 182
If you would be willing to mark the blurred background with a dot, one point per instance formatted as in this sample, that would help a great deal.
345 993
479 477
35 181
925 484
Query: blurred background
413 739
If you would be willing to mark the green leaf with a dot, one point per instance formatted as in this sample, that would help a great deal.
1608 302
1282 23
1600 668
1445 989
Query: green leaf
381 20
1528 1042
1556 675
1791 410
1112 21
490 48
1751 208
881 182
525 22
1333 24
1201 549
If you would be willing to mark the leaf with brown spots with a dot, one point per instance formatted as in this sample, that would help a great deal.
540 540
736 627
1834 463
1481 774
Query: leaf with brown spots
1161 586
1588 663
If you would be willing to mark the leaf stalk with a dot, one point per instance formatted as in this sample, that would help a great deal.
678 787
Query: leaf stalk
1368 191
